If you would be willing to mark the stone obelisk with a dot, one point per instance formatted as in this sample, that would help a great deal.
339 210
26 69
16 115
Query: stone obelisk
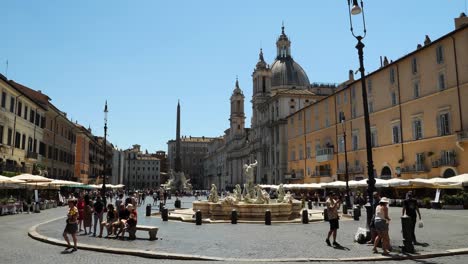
178 162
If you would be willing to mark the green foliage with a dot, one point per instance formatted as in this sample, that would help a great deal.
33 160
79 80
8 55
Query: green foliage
456 199
426 201
9 173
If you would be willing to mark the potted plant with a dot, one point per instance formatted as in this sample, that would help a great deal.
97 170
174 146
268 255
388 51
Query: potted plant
426 202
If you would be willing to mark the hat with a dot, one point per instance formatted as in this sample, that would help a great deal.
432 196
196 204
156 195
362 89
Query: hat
384 200
129 206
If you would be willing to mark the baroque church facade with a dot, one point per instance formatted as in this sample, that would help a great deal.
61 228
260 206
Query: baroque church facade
279 90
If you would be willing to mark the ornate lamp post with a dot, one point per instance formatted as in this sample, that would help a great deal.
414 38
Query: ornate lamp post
355 9
103 190
343 126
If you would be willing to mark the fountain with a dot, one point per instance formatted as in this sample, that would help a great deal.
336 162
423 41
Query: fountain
250 205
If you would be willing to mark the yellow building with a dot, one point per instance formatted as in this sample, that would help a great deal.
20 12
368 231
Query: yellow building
418 109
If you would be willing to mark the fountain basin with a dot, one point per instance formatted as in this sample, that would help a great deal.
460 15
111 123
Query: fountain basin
249 211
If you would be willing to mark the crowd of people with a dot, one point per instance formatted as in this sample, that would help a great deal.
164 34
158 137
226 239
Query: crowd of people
379 224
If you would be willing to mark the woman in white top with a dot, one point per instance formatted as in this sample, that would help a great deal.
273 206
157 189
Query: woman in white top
381 226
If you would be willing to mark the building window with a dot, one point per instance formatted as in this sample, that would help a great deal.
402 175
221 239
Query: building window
443 124
31 116
338 99
26 112
440 54
327 120
373 137
416 91
17 140
392 75
394 98
309 150
441 81
369 86
12 104
341 143
10 137
414 65
370 106
396 134
4 95
1 134
353 111
353 92
293 154
301 152
345 97
417 129
355 140
20 109
419 162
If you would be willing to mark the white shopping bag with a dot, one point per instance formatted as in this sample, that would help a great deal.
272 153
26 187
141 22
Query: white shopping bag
420 224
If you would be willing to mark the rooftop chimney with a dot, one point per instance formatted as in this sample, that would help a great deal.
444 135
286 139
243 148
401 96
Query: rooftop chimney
427 40
461 21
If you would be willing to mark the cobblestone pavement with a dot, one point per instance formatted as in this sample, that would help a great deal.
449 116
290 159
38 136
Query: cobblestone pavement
443 230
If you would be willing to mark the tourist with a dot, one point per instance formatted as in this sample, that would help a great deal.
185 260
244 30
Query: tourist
155 198
131 223
98 213
111 218
410 207
124 214
81 214
118 201
375 203
72 224
333 203
381 222
88 216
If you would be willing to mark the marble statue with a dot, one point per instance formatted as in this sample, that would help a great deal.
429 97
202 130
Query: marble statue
262 196
281 194
213 197
238 193
249 171
288 198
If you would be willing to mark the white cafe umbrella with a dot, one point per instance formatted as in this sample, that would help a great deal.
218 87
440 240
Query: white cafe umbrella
31 178
4 179
462 178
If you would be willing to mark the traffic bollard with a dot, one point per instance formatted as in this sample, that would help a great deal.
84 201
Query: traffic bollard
407 234
177 203
198 217
234 217
345 209
356 213
148 210
267 217
165 214
305 216
309 204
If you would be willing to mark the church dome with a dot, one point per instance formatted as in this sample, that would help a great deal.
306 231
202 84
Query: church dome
285 71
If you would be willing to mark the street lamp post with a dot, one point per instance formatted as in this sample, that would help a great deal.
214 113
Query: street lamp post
355 9
103 190
348 200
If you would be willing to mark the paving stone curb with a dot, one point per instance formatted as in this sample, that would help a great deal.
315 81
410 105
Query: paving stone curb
164 255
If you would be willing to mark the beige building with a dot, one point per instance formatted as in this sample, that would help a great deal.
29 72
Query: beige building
418 108
141 170
22 122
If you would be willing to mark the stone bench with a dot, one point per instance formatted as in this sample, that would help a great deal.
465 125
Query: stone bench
152 231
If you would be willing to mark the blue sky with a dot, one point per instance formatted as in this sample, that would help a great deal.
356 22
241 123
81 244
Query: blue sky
143 56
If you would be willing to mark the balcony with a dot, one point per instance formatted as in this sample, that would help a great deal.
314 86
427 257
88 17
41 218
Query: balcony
31 155
294 176
322 172
351 169
324 154
415 168
462 135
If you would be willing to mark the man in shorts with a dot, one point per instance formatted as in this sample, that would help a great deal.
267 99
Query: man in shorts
333 203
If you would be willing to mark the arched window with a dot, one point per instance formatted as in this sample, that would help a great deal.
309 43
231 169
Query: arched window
449 173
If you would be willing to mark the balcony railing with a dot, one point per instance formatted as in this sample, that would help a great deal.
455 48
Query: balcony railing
31 155
294 176
321 173
452 161
462 135
415 168
351 169
324 154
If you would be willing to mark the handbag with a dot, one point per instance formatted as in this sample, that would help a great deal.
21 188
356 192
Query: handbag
420 224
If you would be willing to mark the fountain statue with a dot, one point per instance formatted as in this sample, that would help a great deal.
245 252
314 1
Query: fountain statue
251 203
178 182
